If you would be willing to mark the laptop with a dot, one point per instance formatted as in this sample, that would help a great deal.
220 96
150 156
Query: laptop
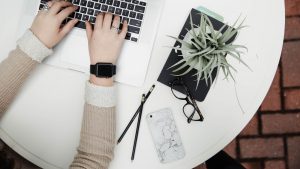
72 53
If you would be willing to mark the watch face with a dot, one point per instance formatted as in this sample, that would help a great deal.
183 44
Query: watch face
104 70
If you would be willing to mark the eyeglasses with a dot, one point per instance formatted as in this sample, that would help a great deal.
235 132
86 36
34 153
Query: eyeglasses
190 109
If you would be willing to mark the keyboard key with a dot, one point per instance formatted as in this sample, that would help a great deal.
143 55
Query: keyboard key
143 3
85 18
97 6
133 29
92 19
130 6
139 16
132 14
83 10
134 39
102 1
76 2
90 12
124 5
139 8
135 1
78 16
80 24
125 13
118 11
127 0
83 3
97 13
104 8
128 36
109 2
136 23
90 4
41 7
95 0
117 3
111 9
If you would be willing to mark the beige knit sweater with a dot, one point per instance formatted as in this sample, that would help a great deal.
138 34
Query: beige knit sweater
97 139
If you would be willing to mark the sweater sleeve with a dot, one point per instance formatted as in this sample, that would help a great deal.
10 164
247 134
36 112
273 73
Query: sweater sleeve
15 69
97 140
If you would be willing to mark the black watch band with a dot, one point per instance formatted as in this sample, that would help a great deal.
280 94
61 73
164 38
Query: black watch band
105 70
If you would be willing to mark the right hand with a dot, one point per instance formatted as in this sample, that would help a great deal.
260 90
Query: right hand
105 42
47 24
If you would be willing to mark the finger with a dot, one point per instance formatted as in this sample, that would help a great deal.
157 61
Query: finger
50 3
58 5
116 23
68 27
89 30
66 12
107 21
124 30
99 21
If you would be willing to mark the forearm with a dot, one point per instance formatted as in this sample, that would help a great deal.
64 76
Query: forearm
13 72
97 139
15 69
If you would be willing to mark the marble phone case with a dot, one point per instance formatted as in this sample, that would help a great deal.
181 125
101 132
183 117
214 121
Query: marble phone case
165 136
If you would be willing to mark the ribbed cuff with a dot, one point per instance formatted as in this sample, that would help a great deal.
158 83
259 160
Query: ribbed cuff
33 47
100 96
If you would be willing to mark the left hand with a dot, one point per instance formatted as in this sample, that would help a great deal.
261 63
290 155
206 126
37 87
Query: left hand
47 25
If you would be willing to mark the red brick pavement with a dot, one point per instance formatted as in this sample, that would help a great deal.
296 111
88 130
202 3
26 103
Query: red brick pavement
272 138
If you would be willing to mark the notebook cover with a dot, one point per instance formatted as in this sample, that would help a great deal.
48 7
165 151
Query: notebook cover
191 81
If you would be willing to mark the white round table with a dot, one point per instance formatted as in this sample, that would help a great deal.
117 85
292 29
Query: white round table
43 123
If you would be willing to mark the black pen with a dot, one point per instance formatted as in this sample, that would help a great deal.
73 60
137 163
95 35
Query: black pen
138 128
134 116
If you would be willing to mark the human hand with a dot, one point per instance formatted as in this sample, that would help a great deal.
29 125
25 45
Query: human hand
105 41
47 25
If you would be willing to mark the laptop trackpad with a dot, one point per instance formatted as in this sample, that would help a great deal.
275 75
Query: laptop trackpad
74 50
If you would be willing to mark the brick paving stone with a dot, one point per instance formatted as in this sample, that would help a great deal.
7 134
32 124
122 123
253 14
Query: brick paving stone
272 100
292 7
230 149
281 123
274 164
28 165
252 165
2 145
292 27
292 99
290 64
261 147
293 152
251 128
201 166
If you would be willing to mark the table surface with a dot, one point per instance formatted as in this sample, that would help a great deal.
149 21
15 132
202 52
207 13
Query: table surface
43 123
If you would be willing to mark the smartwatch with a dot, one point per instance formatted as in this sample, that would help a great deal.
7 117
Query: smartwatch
104 70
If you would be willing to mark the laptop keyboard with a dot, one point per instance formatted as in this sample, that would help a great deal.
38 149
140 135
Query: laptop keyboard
130 10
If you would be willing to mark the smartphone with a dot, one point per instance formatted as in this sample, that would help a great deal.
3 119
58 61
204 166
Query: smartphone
165 136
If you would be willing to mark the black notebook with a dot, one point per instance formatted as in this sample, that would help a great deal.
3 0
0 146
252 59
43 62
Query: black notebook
191 81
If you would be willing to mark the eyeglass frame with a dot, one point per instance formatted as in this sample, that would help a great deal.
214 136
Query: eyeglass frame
189 99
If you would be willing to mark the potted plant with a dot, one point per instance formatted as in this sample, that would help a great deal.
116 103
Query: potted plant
206 50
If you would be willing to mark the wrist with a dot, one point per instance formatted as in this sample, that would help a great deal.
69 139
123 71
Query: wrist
33 47
99 81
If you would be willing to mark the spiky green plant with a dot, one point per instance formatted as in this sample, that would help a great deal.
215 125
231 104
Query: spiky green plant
208 49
